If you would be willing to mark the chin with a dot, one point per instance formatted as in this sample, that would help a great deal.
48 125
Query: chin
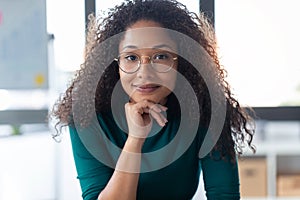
158 100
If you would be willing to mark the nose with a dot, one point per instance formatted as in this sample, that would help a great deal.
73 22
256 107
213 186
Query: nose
145 70
145 58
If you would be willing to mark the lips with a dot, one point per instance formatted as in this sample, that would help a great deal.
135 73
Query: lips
147 88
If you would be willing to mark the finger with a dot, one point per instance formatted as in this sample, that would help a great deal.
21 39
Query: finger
137 108
158 107
160 119
145 106
155 107
163 108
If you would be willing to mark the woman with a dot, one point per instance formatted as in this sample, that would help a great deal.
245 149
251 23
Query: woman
141 108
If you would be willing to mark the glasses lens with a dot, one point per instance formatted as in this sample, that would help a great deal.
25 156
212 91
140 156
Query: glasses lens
162 61
129 62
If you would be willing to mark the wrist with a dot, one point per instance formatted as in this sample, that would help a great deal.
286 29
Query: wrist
134 144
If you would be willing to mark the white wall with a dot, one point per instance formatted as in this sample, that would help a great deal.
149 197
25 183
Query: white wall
27 169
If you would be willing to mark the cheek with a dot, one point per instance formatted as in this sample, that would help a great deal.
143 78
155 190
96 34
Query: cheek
125 82
172 78
170 81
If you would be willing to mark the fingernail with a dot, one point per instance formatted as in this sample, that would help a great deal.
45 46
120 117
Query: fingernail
164 108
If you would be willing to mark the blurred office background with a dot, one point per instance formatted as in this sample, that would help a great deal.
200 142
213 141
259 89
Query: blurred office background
41 45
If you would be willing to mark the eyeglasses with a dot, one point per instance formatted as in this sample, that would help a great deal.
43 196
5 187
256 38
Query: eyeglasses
160 61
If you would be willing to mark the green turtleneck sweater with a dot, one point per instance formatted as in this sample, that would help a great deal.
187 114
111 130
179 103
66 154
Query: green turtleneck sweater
170 175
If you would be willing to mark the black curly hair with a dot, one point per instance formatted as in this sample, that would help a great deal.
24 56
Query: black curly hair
172 15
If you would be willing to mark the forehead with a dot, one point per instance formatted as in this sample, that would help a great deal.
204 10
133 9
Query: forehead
146 34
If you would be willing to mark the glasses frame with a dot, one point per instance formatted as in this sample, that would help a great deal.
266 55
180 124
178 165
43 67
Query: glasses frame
150 59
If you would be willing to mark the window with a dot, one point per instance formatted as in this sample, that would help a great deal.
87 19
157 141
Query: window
259 46
65 19
104 5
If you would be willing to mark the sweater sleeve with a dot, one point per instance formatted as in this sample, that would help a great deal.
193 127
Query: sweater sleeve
221 179
92 174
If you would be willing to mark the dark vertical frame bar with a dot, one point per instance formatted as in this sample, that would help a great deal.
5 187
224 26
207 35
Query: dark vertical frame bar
90 7
208 8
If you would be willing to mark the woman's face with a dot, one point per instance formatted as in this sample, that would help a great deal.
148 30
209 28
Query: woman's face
142 44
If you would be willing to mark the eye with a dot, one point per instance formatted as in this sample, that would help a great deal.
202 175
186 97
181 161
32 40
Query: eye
161 56
132 58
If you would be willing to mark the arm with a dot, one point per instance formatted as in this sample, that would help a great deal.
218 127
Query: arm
92 174
126 175
221 179
95 177
123 179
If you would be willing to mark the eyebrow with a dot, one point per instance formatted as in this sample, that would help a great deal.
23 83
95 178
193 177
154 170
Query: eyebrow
160 46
